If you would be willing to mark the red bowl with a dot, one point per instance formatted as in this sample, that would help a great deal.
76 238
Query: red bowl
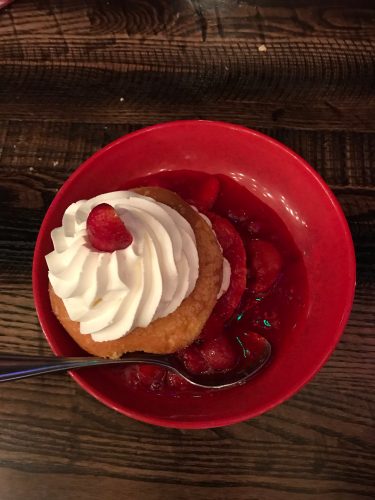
4 3
292 189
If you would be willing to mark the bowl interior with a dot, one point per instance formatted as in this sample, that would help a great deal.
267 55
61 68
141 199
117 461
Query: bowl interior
285 183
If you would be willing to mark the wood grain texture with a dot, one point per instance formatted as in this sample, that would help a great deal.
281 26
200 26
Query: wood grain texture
75 75
220 59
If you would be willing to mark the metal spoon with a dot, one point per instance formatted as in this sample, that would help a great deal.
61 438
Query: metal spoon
13 367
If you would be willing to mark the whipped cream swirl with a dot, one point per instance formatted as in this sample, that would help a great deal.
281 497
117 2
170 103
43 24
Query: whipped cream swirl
110 294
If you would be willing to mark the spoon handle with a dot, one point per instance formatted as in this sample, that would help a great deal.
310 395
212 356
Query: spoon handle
14 367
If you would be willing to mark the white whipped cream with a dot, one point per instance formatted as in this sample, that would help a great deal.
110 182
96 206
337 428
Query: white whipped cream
110 294
226 266
226 278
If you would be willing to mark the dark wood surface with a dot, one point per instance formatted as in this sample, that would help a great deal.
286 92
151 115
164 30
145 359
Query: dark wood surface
76 74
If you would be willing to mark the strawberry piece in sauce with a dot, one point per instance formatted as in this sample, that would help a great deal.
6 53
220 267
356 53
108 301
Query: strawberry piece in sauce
234 252
264 265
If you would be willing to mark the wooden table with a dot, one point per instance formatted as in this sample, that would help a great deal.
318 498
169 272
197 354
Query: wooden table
74 75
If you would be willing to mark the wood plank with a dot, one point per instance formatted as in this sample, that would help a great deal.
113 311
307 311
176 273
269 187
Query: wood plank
308 69
56 148
87 58
114 109
190 19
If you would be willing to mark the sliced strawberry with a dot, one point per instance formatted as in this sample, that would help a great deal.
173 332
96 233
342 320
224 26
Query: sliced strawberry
234 252
264 263
263 321
105 229
252 346
174 381
251 300
193 360
150 181
203 194
219 353
151 376
196 188
213 327
131 375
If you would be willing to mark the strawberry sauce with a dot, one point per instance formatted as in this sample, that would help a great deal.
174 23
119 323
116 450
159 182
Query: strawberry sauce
267 293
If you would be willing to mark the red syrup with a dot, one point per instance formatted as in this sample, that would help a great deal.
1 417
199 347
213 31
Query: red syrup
266 296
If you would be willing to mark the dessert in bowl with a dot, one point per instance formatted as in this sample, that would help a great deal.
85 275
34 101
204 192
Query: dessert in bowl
148 285
257 262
